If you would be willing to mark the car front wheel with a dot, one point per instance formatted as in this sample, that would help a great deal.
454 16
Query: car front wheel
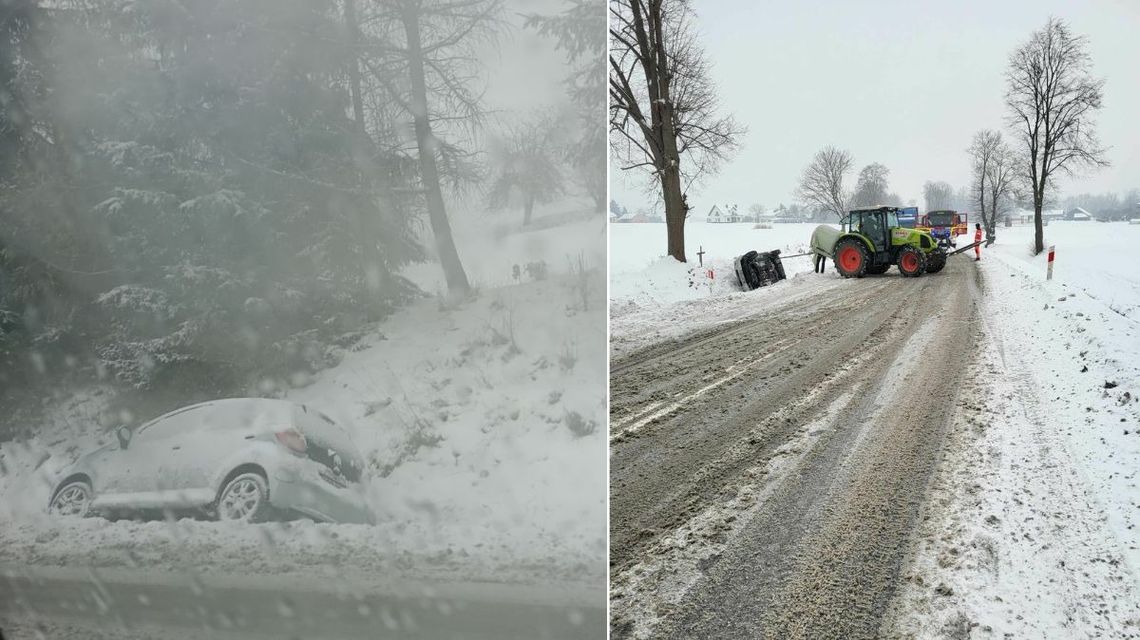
245 497
72 499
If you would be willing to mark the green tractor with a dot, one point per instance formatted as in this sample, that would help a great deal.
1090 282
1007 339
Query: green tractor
872 240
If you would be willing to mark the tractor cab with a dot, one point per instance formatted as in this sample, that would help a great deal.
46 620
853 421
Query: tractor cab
875 224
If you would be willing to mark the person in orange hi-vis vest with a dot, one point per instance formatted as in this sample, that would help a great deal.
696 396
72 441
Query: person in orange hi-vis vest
978 239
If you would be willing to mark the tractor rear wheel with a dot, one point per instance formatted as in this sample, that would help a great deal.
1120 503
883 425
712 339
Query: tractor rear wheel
878 269
851 258
912 262
935 261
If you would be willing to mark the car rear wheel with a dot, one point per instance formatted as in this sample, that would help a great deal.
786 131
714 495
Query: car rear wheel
245 497
72 499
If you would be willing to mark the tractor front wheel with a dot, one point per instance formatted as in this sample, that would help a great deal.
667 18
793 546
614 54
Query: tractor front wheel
851 258
912 262
935 261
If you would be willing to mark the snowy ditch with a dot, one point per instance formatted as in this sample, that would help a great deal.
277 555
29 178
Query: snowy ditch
482 422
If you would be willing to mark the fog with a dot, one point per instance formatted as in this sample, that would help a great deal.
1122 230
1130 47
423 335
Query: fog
901 83
333 271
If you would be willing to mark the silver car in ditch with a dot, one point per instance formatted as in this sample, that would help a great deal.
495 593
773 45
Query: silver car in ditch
247 459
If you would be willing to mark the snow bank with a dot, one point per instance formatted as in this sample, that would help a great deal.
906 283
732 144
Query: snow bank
653 297
1082 332
1032 525
488 414
637 251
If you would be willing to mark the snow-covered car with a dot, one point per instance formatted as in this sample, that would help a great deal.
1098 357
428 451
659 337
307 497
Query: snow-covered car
236 459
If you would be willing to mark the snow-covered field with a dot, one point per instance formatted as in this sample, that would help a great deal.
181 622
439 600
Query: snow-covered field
483 419
490 245
1032 528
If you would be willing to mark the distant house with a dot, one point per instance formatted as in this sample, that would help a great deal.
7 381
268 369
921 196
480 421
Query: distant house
1078 214
1026 215
634 217
727 213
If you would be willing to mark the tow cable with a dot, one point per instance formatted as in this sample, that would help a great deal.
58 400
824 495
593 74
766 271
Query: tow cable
956 251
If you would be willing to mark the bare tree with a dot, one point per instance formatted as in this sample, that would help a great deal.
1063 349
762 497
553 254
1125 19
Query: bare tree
871 188
996 171
525 166
425 57
937 195
1052 97
757 211
821 184
663 107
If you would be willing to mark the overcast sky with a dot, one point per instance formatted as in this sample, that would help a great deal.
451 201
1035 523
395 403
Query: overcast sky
524 71
893 81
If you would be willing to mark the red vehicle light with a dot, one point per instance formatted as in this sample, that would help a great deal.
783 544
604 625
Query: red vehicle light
293 440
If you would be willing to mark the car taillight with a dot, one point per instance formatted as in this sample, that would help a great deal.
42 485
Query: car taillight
293 440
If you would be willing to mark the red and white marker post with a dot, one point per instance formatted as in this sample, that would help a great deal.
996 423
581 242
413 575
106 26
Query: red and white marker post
1052 253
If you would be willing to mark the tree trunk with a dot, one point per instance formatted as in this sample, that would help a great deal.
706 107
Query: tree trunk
1038 227
674 213
990 223
676 209
354 64
429 170
528 209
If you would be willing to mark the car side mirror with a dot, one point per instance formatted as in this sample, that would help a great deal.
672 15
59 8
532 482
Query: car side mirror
124 434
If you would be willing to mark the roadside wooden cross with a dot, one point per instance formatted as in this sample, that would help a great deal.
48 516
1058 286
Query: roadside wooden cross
701 256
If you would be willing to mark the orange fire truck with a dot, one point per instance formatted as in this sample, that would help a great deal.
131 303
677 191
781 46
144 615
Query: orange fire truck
944 225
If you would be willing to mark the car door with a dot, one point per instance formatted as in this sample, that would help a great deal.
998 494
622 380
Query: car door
158 458
108 467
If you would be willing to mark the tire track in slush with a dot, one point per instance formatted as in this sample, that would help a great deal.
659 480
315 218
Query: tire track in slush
670 467
818 555
637 380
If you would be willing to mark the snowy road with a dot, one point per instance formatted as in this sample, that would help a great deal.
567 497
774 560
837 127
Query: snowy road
133 605
767 474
